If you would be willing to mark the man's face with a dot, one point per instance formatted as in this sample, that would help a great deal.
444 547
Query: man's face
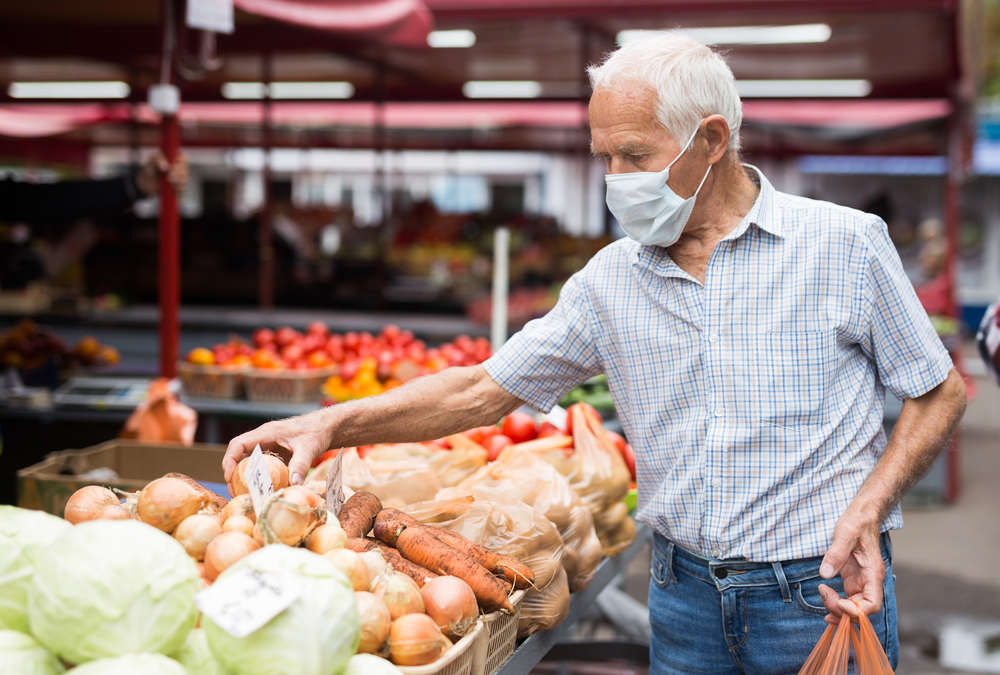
626 135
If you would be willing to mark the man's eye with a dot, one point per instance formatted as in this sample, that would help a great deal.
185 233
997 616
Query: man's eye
635 159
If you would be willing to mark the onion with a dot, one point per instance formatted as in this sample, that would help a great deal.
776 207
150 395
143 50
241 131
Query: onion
238 524
114 512
451 602
195 532
351 564
375 622
255 533
226 549
239 506
326 537
165 502
400 594
375 562
88 502
415 640
277 468
290 515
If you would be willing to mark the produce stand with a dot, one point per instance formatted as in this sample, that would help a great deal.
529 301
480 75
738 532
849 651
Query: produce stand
533 649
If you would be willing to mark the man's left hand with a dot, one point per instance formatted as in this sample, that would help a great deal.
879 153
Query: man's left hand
854 554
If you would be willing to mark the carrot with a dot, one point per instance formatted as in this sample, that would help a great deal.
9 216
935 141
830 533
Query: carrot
211 498
357 515
519 574
420 546
390 522
392 557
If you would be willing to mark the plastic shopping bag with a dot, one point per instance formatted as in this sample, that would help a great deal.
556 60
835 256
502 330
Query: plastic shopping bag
831 654
161 418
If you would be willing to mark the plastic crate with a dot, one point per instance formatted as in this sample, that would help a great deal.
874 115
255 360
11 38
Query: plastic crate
211 381
498 642
286 387
461 659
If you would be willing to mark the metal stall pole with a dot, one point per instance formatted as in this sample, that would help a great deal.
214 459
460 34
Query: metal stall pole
265 278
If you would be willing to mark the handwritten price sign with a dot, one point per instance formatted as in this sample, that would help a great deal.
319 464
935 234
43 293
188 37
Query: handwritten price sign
246 599
258 480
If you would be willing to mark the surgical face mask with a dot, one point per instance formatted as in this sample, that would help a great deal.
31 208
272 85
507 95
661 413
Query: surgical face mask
645 206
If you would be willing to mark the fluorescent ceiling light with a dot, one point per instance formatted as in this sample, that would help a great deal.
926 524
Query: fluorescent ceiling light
451 38
105 89
803 88
747 35
288 90
502 89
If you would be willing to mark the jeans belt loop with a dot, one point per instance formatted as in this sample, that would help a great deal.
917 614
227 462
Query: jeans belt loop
668 560
779 574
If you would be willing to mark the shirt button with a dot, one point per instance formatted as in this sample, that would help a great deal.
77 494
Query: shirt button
715 482
713 337
719 412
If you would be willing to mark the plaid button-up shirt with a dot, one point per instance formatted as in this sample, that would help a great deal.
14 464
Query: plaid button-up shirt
753 400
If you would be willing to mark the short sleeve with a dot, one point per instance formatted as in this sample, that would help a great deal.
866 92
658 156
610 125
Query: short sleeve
550 355
897 333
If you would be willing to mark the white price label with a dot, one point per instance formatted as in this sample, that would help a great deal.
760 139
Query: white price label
335 485
258 480
213 15
246 599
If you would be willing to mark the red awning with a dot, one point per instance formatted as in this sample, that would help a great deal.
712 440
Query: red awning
868 114
398 22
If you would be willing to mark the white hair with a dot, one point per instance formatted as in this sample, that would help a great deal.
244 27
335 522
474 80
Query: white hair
690 80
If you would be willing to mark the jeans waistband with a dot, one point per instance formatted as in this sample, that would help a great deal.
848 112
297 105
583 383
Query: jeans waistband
672 558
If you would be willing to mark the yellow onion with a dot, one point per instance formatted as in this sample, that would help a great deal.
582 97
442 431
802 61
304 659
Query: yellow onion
241 505
196 532
277 468
290 515
353 567
375 621
166 501
399 592
326 537
225 550
451 602
238 524
88 503
415 640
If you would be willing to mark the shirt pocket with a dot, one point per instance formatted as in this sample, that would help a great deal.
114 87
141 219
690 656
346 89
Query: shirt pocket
792 376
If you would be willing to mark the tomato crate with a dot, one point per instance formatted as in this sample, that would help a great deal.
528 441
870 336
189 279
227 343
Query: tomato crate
498 642
211 381
286 387
461 659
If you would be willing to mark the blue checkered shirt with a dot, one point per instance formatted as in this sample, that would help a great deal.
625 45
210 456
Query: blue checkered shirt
754 401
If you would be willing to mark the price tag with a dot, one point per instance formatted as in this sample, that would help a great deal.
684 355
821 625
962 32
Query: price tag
213 15
335 485
258 480
246 599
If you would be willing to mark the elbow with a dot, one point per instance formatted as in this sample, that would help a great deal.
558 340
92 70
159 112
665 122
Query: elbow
956 393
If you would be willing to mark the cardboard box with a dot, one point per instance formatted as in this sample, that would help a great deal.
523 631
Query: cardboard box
49 484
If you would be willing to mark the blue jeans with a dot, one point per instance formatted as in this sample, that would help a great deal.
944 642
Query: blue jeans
721 617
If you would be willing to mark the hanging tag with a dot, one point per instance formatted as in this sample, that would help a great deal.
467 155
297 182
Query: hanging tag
213 15
246 599
335 485
258 480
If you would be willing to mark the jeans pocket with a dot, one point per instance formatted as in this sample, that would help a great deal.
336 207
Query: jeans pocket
806 593
661 568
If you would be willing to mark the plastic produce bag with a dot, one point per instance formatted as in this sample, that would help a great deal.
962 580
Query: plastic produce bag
396 482
161 418
831 654
455 465
542 609
524 477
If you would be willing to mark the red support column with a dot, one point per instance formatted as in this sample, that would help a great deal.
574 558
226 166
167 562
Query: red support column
265 271
170 253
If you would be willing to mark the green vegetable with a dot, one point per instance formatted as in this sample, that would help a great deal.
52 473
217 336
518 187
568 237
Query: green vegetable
316 635
22 534
133 664
109 588
369 664
20 654
197 657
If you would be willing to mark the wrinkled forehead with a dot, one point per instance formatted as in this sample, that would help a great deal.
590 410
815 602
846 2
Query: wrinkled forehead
625 115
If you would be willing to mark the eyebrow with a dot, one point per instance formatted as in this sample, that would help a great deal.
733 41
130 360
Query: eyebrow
622 150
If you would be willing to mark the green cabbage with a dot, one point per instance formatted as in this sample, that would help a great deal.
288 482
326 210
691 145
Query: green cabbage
316 635
112 587
369 664
133 664
197 657
22 532
20 654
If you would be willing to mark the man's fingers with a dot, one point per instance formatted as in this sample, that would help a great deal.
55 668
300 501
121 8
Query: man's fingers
838 554
299 466
238 448
831 600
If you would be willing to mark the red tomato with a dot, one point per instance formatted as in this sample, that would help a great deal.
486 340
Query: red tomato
439 443
482 434
262 337
391 332
292 352
617 441
629 455
548 429
286 335
325 456
318 328
349 368
495 445
519 427
364 450
351 341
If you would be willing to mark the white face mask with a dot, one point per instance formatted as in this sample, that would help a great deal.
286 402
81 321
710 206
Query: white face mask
645 206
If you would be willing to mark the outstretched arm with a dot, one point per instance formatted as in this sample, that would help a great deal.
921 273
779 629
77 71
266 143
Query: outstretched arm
429 407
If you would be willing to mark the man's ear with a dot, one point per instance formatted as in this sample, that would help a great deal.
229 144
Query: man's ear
716 135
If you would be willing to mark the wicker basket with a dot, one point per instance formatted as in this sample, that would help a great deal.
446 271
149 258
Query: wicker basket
211 381
498 642
459 660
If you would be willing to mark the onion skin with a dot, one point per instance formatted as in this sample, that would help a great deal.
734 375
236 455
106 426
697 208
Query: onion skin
326 537
353 567
400 594
415 640
114 512
166 501
88 502
290 515
277 468
451 602
375 562
225 550
239 506
238 524
375 622
196 532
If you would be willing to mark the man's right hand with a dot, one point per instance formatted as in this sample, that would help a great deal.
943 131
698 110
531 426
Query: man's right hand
304 437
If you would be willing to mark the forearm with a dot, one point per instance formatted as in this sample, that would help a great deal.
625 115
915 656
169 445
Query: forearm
923 428
429 407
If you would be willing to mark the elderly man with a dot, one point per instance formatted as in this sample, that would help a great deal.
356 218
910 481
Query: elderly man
748 337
